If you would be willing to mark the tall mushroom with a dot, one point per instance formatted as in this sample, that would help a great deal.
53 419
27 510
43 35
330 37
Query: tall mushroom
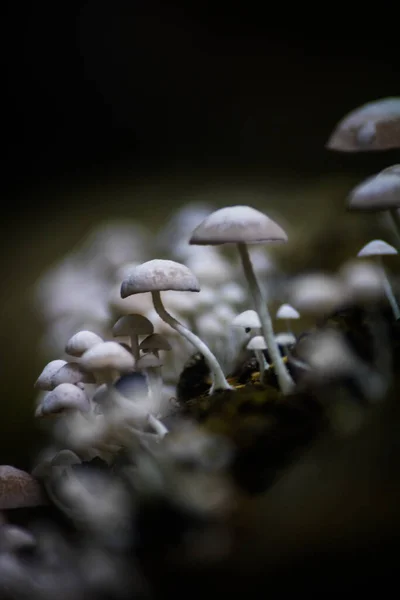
244 225
156 276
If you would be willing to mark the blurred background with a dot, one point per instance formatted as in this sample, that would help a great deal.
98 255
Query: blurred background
130 110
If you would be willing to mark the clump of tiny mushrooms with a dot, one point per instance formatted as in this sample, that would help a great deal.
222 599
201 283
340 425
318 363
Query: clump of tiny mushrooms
165 309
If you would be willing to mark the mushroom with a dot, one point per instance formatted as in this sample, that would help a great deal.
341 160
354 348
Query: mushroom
288 313
154 343
249 320
377 249
44 381
242 225
64 397
373 126
285 339
14 539
155 276
133 326
82 341
318 294
364 280
107 361
257 344
379 193
71 373
18 489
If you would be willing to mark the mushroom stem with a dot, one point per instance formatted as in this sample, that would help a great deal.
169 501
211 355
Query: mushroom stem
219 380
285 381
262 363
154 380
158 427
389 291
135 346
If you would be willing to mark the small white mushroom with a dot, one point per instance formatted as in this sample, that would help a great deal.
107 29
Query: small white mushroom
64 397
287 313
44 382
378 249
107 361
257 344
82 341
248 320
154 343
71 373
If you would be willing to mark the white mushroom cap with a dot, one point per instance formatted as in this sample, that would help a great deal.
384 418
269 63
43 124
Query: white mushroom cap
380 192
155 341
392 170
373 126
328 354
65 396
285 338
106 356
148 361
286 311
159 275
133 324
365 280
82 341
18 489
377 248
257 343
235 224
43 382
317 294
71 373
248 319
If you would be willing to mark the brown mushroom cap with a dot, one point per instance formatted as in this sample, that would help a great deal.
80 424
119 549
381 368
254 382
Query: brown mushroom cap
159 275
235 224
18 489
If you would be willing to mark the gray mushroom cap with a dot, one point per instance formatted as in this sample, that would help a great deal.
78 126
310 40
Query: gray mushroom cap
159 275
286 311
44 381
71 373
133 324
381 192
257 343
235 224
65 396
373 126
248 319
82 341
155 341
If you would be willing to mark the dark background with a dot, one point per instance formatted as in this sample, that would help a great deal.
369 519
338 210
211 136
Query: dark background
102 97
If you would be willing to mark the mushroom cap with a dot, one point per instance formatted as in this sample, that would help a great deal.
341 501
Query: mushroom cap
392 170
286 311
285 338
108 355
133 324
65 396
159 275
373 126
14 538
71 373
377 248
148 361
364 280
82 341
380 192
18 489
44 381
257 343
248 319
235 224
155 341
